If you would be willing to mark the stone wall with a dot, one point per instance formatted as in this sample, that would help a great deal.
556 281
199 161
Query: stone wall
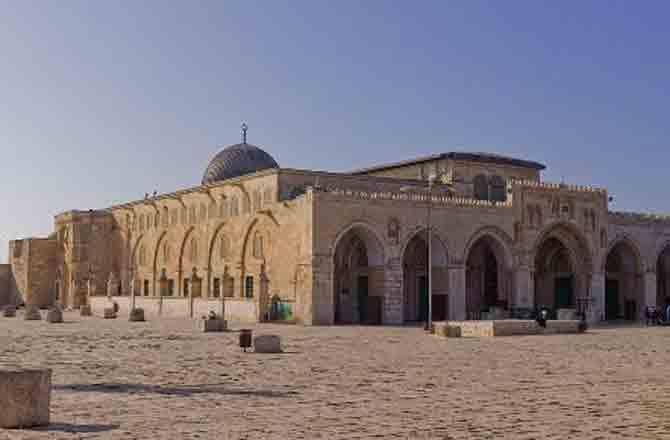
33 262
5 276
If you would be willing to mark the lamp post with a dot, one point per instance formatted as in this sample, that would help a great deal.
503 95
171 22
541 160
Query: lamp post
431 184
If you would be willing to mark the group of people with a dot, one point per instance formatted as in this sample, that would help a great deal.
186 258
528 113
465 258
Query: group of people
658 316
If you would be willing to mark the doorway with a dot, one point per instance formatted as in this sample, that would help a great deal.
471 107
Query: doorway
611 299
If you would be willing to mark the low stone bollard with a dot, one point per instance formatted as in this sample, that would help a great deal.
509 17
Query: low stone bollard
109 313
212 325
136 315
267 344
446 330
32 313
54 315
9 311
25 397
85 310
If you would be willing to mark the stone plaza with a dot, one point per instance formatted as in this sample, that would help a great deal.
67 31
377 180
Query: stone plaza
162 379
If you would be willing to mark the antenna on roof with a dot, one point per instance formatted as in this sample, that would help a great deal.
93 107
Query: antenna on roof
245 127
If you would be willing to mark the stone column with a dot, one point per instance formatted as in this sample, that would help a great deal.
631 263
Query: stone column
457 302
112 285
195 290
524 294
393 292
650 293
596 308
263 294
162 291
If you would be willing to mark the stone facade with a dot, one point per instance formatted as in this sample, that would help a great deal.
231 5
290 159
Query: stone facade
5 278
326 248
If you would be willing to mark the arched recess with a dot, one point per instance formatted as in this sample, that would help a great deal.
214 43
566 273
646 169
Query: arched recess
358 275
663 276
166 261
563 268
415 277
624 288
191 259
142 266
259 277
488 277
219 262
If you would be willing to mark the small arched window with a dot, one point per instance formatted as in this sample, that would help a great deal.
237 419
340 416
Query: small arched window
165 217
234 207
257 200
498 190
191 215
481 187
258 245
166 253
224 247
203 213
193 255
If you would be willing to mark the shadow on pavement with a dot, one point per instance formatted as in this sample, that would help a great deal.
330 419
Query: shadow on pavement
184 391
69 427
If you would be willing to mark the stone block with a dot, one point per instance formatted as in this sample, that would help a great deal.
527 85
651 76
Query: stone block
32 313
54 315
25 397
9 311
109 313
212 325
136 315
267 344
446 330
85 310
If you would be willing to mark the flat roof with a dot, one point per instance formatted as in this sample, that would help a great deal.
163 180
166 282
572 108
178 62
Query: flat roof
455 155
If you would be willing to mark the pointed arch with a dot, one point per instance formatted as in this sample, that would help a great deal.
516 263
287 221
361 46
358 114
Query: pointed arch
503 243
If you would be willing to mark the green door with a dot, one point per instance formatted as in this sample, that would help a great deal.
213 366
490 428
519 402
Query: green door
563 293
363 299
611 299
423 298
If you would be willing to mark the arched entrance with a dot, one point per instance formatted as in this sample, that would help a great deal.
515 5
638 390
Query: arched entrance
663 278
358 277
485 278
623 283
415 279
562 268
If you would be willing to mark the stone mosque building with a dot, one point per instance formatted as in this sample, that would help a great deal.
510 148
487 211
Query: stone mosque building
324 248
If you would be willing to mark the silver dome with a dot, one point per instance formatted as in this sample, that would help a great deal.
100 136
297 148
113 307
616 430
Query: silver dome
237 160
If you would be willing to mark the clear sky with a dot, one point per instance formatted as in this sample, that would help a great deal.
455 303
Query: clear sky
101 102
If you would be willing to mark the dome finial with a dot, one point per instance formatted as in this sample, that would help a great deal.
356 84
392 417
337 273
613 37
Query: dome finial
245 127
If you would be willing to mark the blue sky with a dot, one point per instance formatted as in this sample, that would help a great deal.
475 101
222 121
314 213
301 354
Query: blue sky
101 102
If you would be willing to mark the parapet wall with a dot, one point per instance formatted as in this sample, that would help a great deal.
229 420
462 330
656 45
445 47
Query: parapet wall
237 310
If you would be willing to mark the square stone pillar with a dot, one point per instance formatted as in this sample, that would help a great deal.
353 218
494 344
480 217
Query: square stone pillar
457 303
650 293
321 311
523 296
596 308
393 293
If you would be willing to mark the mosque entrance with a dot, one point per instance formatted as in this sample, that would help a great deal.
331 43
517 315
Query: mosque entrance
358 269
563 293
623 283
611 299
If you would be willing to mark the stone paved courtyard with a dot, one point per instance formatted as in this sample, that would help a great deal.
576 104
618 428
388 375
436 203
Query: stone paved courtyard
162 379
